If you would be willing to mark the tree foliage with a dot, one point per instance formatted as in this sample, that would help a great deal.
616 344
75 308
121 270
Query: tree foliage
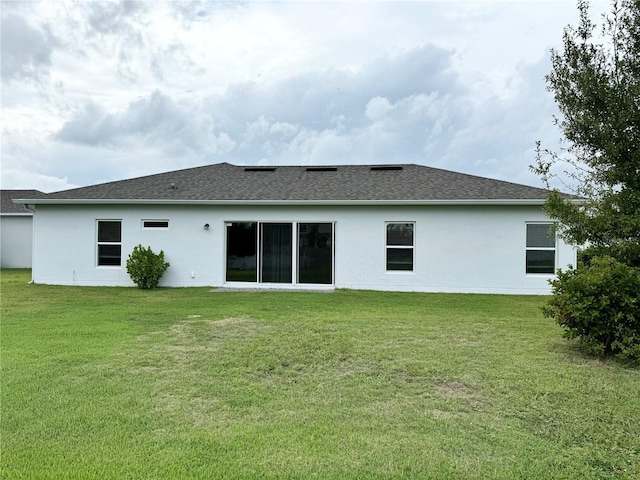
146 267
595 80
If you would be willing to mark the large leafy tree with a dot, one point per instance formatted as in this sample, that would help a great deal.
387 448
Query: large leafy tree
596 83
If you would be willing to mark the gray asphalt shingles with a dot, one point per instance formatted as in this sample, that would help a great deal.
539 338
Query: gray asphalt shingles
224 181
7 196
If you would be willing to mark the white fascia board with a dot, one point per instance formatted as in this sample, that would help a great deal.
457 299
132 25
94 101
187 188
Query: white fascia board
100 201
16 214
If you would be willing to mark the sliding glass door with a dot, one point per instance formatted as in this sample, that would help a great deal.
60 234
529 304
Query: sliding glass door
242 249
276 251
315 253
269 252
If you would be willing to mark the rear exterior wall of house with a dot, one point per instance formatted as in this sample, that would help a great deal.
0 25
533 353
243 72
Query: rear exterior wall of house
428 248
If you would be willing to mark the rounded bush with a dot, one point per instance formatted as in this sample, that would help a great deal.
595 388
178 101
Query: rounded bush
146 267
599 304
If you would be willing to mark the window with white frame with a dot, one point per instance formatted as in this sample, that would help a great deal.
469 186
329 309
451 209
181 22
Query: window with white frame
541 248
399 246
109 243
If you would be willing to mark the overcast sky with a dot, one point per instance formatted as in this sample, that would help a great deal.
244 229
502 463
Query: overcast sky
98 91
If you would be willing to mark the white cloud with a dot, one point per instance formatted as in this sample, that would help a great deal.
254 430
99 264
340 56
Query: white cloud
97 91
157 120
26 51
377 108
21 179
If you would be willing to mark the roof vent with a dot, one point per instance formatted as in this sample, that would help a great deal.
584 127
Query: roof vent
172 186
386 167
321 169
260 169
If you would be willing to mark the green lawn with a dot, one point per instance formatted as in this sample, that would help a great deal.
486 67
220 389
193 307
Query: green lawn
111 383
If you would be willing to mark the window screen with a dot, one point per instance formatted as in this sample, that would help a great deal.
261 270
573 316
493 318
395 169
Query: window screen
538 235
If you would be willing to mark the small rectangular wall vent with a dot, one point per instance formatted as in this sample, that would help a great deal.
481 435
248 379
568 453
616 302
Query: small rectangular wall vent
321 169
260 169
155 224
386 167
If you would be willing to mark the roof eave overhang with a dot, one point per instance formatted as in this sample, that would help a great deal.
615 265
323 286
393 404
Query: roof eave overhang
102 201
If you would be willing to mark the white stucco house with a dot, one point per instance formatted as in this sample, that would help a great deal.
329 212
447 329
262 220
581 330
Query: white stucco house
16 229
381 227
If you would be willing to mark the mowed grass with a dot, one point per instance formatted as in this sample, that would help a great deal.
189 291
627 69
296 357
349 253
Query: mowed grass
109 383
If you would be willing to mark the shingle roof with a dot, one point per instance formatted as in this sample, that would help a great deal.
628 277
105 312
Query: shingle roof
7 196
226 182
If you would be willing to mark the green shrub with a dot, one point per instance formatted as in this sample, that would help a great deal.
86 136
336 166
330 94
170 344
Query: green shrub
145 267
599 304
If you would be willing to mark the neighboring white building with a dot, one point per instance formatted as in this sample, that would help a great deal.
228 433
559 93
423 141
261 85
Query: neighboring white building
399 227
16 229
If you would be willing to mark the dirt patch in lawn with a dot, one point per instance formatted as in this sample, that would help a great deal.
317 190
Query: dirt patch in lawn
466 397
185 362
197 332
453 388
